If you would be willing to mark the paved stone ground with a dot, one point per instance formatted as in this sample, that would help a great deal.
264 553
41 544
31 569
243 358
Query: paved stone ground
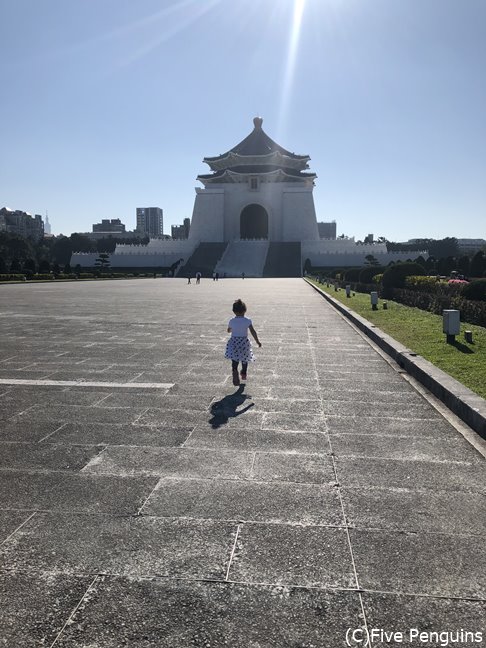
323 495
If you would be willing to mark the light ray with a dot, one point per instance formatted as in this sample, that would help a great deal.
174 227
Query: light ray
288 79
198 10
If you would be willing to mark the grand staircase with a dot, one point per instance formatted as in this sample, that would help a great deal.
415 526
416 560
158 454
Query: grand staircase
203 260
243 256
283 260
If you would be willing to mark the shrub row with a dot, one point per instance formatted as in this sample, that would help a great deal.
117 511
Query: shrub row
473 312
11 277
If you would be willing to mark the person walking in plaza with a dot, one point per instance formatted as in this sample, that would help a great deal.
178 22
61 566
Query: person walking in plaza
238 348
198 277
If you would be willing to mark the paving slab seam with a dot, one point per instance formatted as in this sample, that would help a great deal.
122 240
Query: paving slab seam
19 527
71 616
338 487
425 596
183 444
426 460
422 532
470 435
237 520
250 479
139 512
44 382
53 432
232 552
470 407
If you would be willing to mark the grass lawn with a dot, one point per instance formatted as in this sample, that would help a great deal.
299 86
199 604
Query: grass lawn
421 332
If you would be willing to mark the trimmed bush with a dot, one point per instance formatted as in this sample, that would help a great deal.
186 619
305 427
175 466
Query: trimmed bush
395 275
476 290
366 274
428 284
352 274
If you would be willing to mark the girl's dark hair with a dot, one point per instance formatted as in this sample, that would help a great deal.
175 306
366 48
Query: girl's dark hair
239 307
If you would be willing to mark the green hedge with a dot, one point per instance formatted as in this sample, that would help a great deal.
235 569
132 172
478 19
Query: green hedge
12 277
473 312
366 275
395 275
476 290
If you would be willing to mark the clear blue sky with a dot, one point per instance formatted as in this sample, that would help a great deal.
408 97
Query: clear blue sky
109 105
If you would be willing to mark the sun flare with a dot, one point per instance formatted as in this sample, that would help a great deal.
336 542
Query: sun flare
295 28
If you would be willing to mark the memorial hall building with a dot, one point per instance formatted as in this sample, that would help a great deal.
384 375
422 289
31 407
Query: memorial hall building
254 214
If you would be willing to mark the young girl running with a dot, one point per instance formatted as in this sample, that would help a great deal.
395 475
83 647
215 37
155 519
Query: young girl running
238 348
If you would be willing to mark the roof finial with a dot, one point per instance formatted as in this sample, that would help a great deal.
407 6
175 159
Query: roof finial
258 121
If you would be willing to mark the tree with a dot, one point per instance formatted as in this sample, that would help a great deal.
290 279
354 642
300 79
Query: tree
103 261
430 264
44 267
15 266
106 245
446 266
67 269
463 264
80 243
62 250
371 260
3 266
478 264
29 265
443 248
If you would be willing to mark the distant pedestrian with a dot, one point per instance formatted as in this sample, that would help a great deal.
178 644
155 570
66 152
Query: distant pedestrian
189 278
198 277
214 276
238 348
217 276
242 275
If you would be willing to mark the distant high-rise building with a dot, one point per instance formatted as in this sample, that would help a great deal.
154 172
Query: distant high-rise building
181 231
150 220
327 230
47 226
110 226
21 223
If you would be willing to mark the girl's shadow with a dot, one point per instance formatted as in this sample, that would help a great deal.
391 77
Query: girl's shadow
226 408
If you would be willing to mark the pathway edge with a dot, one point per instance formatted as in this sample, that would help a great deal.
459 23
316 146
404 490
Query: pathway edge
467 405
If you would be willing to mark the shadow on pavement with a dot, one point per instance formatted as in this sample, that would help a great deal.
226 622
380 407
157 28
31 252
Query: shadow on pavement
227 407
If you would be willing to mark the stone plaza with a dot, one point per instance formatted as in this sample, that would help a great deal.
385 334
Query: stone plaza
147 502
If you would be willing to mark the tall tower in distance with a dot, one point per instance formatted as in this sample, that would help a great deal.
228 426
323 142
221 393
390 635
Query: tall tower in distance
150 221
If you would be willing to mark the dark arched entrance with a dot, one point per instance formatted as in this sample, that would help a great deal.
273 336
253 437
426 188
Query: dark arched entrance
254 222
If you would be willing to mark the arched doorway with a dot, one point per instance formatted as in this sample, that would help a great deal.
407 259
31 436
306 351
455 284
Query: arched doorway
254 222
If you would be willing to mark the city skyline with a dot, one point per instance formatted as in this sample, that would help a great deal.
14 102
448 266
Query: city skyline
112 106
